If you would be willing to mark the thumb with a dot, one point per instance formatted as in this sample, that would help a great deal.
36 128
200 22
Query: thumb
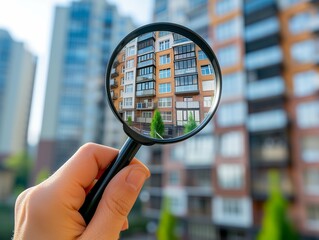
116 203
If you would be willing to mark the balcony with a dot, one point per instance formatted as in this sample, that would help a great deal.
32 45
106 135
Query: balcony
259 9
266 88
146 93
187 105
187 89
146 50
116 63
261 29
264 58
146 36
185 71
149 62
143 120
114 73
114 96
113 83
146 105
261 186
269 120
200 207
146 77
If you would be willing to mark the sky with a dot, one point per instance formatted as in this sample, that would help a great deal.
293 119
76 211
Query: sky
31 22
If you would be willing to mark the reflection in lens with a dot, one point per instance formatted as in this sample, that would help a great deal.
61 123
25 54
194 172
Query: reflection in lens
162 85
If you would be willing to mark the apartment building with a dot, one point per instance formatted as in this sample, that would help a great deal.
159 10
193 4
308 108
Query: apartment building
17 74
267 119
163 71
75 112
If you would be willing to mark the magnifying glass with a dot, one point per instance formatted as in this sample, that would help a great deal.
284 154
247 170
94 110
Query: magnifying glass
163 82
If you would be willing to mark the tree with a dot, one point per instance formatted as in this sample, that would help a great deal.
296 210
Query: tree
157 125
129 121
167 225
275 224
190 125
21 165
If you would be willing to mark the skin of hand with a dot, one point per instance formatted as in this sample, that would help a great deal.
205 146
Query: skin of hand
50 209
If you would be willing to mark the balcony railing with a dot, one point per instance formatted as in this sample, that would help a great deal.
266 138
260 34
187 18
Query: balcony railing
144 120
114 96
146 63
113 83
145 105
275 119
185 71
266 88
146 50
186 89
146 77
145 93
187 105
114 73
146 36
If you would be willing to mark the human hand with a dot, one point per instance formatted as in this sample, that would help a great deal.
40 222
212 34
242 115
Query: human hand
50 209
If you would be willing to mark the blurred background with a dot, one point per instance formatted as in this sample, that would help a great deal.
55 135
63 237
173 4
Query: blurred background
252 173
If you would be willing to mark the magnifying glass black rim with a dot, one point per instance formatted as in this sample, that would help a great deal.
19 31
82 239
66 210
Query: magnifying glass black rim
175 28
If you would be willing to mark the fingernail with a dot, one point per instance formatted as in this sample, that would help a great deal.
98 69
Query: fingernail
136 178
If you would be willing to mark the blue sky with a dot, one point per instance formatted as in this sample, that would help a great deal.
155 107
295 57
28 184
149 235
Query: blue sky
30 21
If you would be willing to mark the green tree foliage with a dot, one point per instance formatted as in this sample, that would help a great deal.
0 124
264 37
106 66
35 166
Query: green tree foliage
275 224
157 125
190 125
42 175
21 165
167 225
129 121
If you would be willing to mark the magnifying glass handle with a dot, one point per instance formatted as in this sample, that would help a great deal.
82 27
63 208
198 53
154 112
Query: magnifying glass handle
126 154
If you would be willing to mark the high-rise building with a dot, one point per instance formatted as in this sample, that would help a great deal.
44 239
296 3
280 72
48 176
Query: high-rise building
84 35
17 73
268 119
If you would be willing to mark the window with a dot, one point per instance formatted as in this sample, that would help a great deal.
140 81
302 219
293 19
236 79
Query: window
122 80
304 51
299 22
130 63
185 64
174 178
231 207
130 76
233 85
165 102
145 86
165 59
313 216
206 69
165 88
183 115
306 83
262 58
186 83
149 43
163 45
231 144
230 176
207 101
123 69
165 73
130 51
166 116
121 93
163 33
184 51
146 114
201 55
208 85
228 30
145 57
128 102
308 114
129 88
261 29
226 6
128 114
228 56
311 181
310 148
232 114
145 71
